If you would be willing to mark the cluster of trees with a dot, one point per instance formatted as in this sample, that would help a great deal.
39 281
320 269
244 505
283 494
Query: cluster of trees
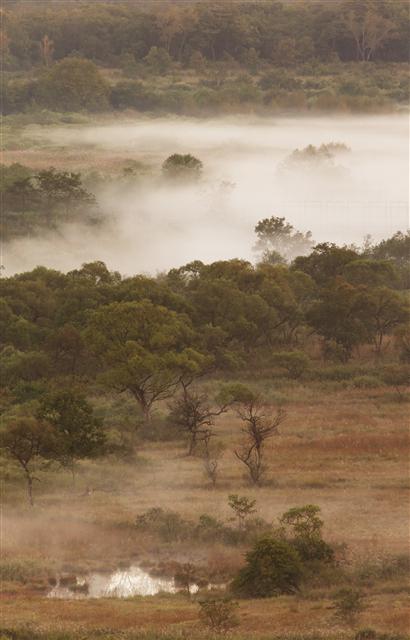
47 198
193 33
76 84
153 339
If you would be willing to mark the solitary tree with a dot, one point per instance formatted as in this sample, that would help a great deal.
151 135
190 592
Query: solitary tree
259 424
31 443
192 413
182 167
211 454
242 507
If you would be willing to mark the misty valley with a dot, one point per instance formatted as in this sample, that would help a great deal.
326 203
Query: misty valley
205 320
142 222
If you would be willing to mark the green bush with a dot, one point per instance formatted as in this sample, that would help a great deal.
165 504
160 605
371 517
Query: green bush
296 363
365 382
273 567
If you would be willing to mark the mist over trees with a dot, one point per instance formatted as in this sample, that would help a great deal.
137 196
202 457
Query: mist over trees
154 339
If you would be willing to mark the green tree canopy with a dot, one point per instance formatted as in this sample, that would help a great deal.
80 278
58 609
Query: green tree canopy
72 85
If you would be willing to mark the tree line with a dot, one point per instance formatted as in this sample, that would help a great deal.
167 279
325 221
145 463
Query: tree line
190 33
67 337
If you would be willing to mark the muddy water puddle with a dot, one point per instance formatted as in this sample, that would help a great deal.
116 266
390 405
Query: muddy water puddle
122 583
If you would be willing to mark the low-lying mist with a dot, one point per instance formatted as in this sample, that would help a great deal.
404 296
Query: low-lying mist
152 224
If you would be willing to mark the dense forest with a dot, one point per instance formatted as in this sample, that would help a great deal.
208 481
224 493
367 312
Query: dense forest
144 336
205 57
277 32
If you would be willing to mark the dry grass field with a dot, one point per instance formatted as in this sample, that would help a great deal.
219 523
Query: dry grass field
344 450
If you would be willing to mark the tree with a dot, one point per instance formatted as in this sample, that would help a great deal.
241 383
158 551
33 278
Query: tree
219 614
145 349
158 59
326 262
369 29
276 236
305 527
80 433
272 568
182 167
191 412
242 507
260 424
384 311
211 454
340 315
47 50
30 443
64 189
73 84
187 577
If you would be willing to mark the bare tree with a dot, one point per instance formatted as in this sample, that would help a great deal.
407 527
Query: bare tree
47 50
259 425
211 455
370 32
192 414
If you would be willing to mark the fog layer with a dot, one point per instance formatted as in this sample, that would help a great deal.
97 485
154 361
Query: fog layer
153 225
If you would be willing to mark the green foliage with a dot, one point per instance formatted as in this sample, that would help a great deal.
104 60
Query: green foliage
158 59
272 568
133 94
45 199
182 167
80 433
304 527
242 507
30 443
146 350
72 85
296 363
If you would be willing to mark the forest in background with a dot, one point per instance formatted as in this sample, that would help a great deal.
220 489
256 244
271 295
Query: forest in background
199 58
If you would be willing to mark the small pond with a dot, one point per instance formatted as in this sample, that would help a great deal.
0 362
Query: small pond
123 583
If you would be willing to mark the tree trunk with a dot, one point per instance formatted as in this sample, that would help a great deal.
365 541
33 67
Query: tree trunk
30 489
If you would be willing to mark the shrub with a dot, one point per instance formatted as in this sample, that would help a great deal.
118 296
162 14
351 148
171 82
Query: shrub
132 94
219 614
168 525
295 362
366 634
348 604
365 382
272 567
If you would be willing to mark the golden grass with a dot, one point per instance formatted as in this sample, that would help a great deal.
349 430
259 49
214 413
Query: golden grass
258 618
346 452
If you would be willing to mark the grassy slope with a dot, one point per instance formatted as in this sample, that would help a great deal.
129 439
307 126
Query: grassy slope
346 451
